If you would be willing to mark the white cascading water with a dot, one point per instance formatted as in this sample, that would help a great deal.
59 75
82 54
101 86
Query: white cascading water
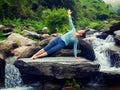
100 46
12 76
13 80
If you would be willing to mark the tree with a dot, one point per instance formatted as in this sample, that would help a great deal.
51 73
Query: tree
56 20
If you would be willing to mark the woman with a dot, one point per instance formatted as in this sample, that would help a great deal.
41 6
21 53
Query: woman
62 41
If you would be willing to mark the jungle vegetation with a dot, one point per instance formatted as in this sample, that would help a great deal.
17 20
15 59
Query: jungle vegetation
53 14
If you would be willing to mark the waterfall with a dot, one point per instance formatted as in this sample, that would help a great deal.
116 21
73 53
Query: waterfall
13 80
100 46
12 76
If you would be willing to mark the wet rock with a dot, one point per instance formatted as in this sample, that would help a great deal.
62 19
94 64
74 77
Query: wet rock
117 40
102 36
117 37
2 72
113 28
114 57
57 67
110 76
85 48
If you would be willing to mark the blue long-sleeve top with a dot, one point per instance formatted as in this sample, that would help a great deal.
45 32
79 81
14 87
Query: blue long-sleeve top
69 37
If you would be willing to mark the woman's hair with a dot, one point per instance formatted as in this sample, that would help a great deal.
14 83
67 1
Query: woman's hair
83 33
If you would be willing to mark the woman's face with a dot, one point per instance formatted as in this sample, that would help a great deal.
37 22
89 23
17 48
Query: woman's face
76 35
79 33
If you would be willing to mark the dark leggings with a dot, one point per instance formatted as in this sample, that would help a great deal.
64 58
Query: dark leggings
55 45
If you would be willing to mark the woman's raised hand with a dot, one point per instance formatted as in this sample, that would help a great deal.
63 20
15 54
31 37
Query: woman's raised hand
69 12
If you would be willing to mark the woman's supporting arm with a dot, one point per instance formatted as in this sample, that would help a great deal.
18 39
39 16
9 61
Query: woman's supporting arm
75 48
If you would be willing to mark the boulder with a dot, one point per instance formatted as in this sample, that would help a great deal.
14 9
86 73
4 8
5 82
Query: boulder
2 55
2 72
44 42
85 48
6 47
31 34
114 27
2 27
44 36
117 40
64 53
9 25
117 37
43 31
20 40
114 57
110 76
117 33
102 36
25 51
57 67
7 31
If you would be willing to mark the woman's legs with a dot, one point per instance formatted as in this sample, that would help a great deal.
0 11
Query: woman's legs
39 54
43 51
57 47
53 46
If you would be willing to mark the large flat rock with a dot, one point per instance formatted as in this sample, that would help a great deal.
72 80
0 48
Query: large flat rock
58 67
63 60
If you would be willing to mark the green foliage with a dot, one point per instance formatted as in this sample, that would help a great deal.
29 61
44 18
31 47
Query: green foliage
16 8
102 17
76 85
34 23
58 4
90 11
52 13
20 24
2 37
73 83
56 20
96 24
